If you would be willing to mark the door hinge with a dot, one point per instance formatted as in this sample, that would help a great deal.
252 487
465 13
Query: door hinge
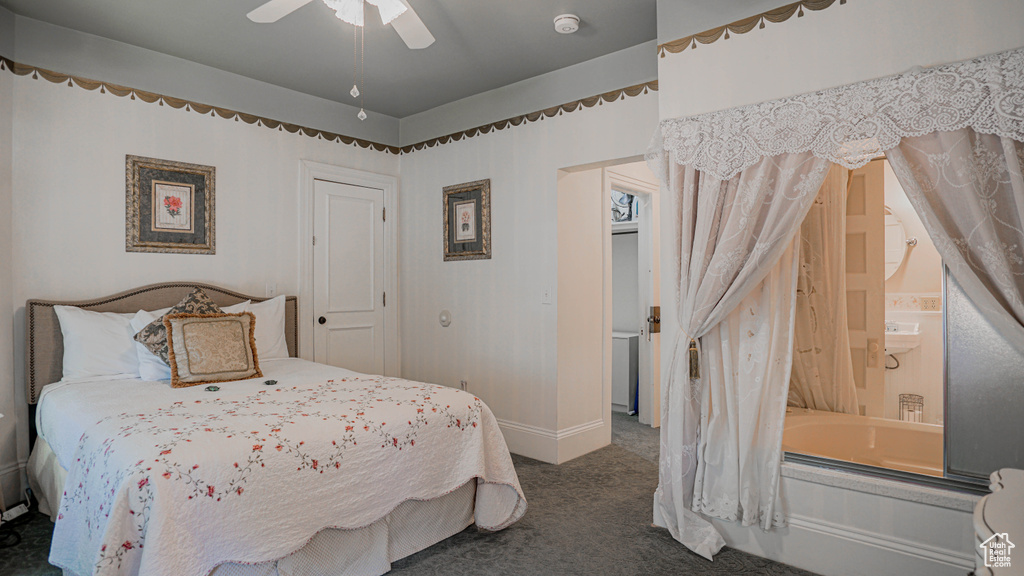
314 240
384 213
385 299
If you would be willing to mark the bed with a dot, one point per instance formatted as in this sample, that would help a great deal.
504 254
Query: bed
321 471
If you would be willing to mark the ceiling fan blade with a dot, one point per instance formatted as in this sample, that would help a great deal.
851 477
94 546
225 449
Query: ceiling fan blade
275 10
412 30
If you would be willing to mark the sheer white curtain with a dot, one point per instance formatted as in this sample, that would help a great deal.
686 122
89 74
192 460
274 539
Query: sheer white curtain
968 189
730 237
822 367
747 359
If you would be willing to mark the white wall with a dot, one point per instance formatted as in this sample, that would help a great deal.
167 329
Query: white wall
625 283
8 406
69 195
503 339
584 374
857 41
77 53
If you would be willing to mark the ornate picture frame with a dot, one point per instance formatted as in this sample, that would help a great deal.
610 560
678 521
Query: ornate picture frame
169 206
467 221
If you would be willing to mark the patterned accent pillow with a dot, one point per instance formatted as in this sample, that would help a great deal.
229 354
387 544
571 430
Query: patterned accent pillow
154 335
208 348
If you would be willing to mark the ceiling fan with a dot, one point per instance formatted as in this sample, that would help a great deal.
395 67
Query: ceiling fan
398 13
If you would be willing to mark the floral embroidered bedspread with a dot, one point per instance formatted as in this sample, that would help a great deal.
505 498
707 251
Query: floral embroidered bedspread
251 472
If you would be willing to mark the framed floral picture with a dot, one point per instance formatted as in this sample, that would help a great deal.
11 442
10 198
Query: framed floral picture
169 206
467 221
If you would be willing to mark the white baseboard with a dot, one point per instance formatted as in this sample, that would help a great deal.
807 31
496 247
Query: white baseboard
579 440
956 560
551 446
530 441
832 549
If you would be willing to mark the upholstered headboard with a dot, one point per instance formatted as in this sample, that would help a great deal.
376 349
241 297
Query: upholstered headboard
44 347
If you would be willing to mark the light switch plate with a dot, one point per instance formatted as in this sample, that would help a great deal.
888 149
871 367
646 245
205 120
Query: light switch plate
546 296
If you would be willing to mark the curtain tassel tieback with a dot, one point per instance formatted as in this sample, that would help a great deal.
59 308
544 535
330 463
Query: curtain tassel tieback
694 361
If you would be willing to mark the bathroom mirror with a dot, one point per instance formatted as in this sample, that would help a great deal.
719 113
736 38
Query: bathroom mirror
895 243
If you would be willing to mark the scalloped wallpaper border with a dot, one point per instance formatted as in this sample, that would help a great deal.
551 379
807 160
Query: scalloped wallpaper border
228 114
745 25
204 109
614 95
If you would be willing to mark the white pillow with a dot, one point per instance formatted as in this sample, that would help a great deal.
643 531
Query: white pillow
151 367
96 343
270 341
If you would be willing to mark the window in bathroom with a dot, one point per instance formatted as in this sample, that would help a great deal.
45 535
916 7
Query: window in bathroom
625 207
867 385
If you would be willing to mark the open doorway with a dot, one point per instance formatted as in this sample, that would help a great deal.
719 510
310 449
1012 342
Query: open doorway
632 191
595 350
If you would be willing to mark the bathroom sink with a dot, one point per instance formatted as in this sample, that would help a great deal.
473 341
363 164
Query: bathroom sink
902 337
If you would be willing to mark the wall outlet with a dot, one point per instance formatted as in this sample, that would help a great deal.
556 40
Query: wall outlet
464 385
271 289
15 512
545 297
931 304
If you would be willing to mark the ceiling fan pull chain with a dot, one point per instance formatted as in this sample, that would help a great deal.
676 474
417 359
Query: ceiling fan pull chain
362 72
355 63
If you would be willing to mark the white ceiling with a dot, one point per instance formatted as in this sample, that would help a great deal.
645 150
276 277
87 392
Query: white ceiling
481 44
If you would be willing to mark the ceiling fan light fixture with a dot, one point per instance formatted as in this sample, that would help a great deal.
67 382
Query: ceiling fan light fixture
389 9
350 11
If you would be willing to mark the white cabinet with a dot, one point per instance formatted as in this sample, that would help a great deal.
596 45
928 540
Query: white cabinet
625 362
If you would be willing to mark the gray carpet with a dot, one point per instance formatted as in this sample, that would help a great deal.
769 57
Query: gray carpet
628 432
590 516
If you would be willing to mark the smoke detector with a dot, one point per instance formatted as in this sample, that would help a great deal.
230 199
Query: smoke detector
567 23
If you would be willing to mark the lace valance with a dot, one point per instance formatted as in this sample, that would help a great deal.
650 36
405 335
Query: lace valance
851 124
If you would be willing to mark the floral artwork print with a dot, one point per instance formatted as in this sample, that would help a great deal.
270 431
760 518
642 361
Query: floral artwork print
173 205
192 458
465 213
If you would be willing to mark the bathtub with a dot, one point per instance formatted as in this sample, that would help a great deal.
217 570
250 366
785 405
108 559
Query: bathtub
906 446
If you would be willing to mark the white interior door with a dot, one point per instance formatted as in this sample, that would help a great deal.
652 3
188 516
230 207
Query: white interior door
348 276
649 388
865 284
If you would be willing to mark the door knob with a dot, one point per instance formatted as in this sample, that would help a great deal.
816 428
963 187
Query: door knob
654 320
322 320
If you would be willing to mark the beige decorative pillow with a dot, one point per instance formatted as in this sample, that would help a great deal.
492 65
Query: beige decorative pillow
207 348
154 335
